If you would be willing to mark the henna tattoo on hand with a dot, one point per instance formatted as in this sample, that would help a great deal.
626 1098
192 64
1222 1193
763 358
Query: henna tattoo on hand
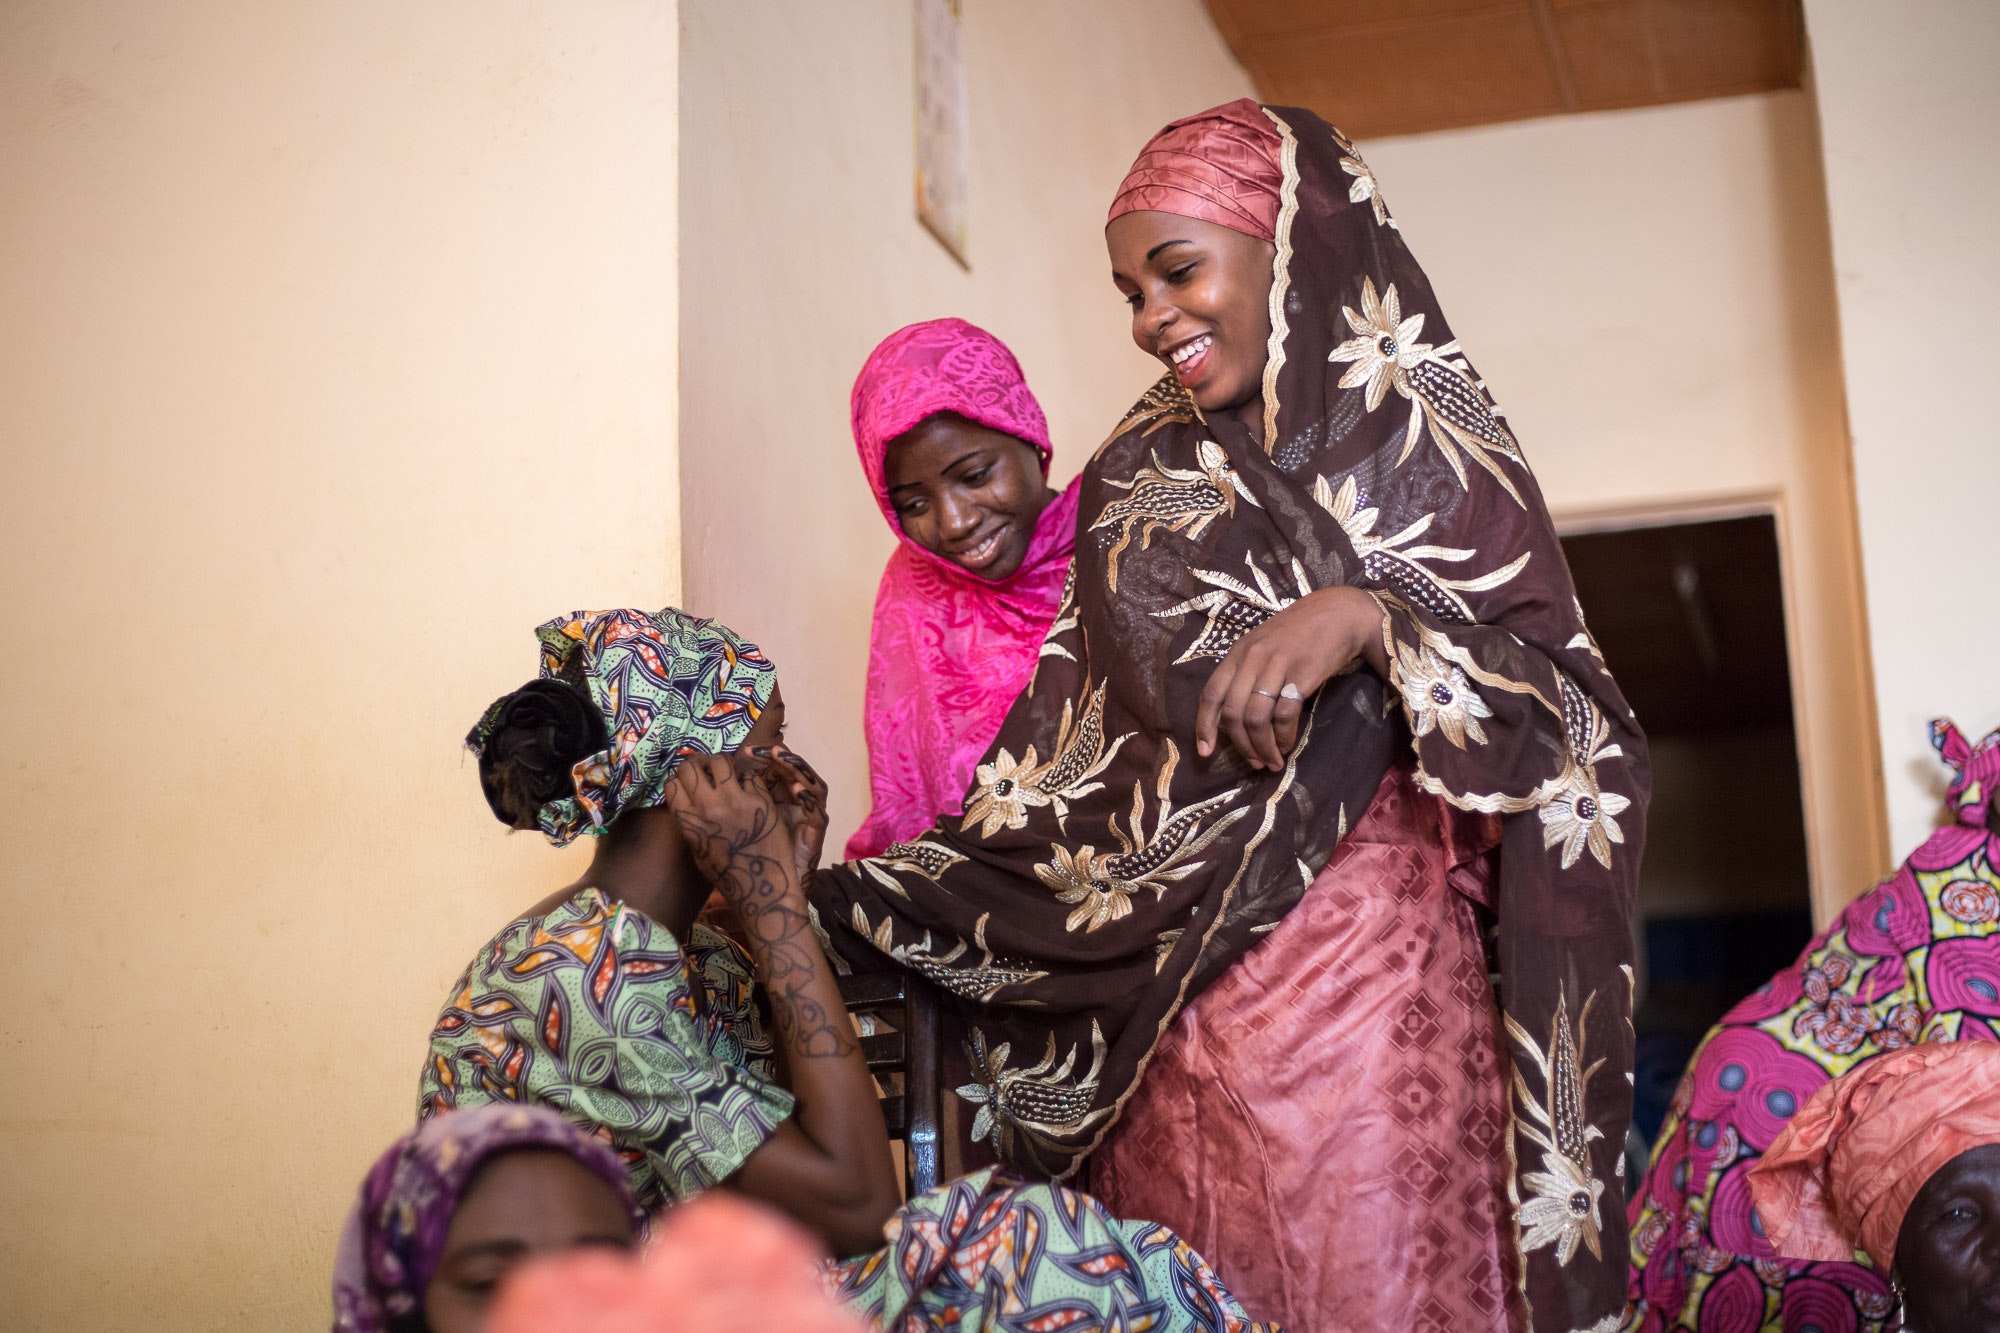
772 908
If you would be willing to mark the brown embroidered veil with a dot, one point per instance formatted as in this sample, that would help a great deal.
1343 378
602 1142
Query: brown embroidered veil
1102 873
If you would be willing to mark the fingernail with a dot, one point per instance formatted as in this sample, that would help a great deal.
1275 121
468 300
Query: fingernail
761 751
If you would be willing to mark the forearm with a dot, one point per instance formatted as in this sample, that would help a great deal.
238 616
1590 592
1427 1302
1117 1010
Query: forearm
1372 635
829 1164
844 1176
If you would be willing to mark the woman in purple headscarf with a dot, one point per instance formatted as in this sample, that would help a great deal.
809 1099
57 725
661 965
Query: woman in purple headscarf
458 1201
957 454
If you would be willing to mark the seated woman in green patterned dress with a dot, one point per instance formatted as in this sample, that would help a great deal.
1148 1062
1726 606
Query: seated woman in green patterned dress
662 735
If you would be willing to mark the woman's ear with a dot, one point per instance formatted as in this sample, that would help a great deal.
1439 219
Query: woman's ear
1035 459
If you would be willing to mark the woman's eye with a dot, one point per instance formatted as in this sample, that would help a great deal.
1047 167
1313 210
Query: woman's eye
1134 300
978 478
1180 275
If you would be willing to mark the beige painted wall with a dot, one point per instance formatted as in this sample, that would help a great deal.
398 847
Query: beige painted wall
337 347
1649 295
803 250
1909 107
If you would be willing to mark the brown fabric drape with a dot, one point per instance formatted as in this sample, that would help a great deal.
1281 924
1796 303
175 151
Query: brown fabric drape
1103 873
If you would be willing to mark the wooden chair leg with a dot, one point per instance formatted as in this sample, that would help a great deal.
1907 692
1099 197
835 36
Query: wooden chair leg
920 1087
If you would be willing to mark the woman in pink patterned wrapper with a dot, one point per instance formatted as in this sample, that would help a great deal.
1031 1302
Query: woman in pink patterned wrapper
1916 959
1317 707
957 453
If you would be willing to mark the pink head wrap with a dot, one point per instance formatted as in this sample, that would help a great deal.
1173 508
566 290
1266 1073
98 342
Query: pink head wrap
1220 165
1846 1169
1976 778
950 651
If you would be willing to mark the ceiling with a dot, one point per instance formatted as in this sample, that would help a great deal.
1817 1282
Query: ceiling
1379 67
1691 620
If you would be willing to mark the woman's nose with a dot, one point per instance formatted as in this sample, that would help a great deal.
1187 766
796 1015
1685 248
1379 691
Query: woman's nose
957 515
1156 318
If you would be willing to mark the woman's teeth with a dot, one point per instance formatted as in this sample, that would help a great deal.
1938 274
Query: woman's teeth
978 553
1187 350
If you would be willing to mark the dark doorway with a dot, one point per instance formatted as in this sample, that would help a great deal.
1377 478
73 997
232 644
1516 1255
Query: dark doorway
1691 618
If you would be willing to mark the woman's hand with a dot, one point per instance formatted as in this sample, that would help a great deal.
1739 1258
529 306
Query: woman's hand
1303 646
801 797
730 824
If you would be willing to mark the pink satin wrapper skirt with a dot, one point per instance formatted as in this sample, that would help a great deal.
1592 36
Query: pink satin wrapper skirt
1326 1123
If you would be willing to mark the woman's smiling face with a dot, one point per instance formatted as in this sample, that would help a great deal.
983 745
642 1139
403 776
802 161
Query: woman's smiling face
966 492
1200 298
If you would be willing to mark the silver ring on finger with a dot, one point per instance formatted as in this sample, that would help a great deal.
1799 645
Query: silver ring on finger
1268 694
1290 691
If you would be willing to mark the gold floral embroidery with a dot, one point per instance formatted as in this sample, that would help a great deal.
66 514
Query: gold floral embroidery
1166 403
1584 639
1563 1208
1006 793
1234 607
1008 790
1038 1102
917 856
1438 695
1395 560
1100 886
1365 187
1178 499
1066 620
1384 354
1581 812
980 981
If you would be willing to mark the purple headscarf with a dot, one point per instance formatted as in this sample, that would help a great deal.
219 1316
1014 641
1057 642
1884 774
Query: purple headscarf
394 1237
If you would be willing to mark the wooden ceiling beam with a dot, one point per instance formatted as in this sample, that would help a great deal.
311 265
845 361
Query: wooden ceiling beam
1379 67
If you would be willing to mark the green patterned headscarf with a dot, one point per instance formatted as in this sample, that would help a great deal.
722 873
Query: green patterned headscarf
667 683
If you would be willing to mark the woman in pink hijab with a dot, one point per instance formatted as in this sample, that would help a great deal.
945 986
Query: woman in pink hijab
957 452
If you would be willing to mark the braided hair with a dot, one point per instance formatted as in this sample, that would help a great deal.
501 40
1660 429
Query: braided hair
538 734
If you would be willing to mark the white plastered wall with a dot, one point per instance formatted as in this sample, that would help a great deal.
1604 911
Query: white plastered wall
1909 99
802 250
1649 296
337 348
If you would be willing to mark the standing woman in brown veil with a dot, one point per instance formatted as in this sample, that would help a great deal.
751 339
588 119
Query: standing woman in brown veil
1320 650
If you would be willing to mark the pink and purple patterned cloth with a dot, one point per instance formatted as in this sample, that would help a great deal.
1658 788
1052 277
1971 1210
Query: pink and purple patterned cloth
950 651
1916 959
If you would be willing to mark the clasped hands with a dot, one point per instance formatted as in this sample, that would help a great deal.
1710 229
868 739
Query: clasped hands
766 800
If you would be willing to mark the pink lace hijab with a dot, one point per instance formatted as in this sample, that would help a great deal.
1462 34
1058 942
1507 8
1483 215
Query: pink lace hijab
950 651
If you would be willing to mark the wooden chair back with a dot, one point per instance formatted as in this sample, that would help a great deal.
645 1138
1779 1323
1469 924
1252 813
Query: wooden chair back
907 1060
